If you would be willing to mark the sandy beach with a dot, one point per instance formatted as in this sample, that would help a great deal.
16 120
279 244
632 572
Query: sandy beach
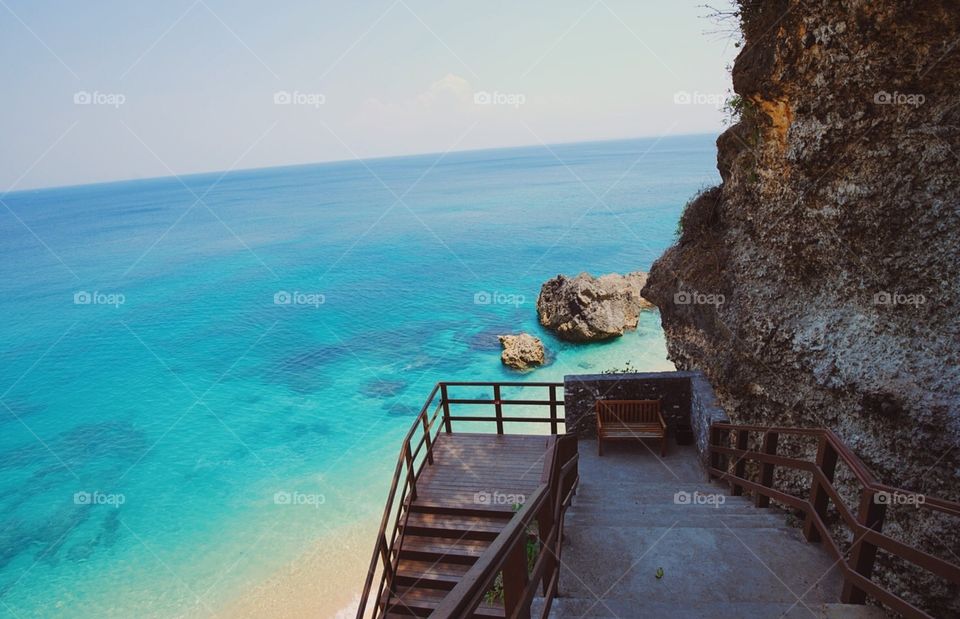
324 582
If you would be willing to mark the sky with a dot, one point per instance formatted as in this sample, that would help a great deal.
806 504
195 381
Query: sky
112 90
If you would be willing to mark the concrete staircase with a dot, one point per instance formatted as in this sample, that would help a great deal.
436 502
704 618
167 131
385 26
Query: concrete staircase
721 557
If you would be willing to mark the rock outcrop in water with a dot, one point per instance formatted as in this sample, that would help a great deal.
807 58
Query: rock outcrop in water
521 352
818 285
585 308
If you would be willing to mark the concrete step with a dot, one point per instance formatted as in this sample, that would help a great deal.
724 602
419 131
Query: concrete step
705 518
663 510
568 608
706 564
698 502
662 493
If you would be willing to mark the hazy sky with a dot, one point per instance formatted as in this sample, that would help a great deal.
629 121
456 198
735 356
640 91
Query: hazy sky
109 90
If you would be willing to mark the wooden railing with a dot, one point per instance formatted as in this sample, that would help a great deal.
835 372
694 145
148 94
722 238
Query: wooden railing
416 451
728 463
507 555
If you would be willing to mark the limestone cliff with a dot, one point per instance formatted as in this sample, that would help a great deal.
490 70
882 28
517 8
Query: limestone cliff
819 283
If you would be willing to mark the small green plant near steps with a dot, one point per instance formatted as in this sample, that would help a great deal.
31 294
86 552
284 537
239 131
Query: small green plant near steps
659 573
495 594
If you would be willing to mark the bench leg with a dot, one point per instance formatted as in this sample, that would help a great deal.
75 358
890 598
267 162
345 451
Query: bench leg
599 445
663 445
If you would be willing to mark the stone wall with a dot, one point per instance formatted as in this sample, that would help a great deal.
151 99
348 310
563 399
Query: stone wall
685 396
704 410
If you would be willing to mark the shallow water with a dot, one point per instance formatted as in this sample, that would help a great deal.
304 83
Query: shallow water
146 435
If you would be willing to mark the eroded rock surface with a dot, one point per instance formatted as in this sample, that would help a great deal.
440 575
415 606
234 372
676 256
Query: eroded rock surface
827 261
521 352
586 308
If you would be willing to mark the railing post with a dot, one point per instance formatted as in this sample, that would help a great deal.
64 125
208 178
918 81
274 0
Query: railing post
426 436
411 479
870 514
714 440
499 408
387 563
446 407
766 469
545 523
515 578
718 438
553 409
826 462
739 469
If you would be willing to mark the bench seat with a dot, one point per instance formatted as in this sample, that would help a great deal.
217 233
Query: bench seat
630 420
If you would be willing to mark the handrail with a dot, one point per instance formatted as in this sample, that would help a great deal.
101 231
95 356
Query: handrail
382 559
386 550
507 553
865 526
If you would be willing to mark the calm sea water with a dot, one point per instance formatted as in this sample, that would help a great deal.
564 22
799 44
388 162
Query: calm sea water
158 390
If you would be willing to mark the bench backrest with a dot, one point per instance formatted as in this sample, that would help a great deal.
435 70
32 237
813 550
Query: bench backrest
629 411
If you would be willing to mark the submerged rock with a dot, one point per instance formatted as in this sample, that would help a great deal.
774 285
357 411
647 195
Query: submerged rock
586 308
521 352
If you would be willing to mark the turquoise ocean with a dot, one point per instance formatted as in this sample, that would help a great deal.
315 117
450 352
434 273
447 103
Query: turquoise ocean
177 351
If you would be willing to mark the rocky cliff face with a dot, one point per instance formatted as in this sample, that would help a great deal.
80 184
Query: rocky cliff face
819 284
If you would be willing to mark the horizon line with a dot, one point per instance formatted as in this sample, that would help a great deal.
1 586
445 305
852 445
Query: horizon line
229 171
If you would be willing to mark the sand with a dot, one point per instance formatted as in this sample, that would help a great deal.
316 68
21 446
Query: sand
325 581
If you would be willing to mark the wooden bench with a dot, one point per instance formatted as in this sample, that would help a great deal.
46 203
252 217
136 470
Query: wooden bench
630 419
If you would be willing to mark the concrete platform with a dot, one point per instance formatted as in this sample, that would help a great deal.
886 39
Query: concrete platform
635 513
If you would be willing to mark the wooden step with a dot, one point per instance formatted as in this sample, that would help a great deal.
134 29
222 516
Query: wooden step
420 547
457 526
455 507
430 574
420 602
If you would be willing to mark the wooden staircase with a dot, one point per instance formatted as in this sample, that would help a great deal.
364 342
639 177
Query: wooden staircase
468 511
438 546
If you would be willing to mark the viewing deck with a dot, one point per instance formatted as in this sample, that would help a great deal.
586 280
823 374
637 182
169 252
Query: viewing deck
482 471
474 520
